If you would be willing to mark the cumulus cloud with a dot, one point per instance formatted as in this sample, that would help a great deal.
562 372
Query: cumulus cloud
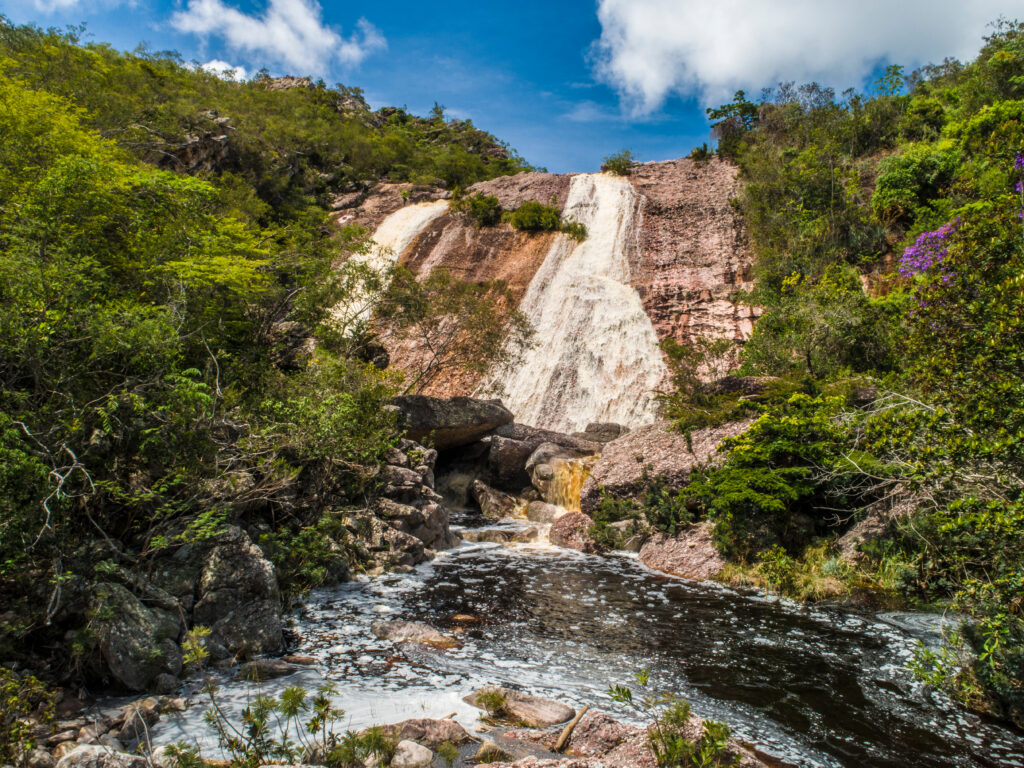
289 32
224 70
652 49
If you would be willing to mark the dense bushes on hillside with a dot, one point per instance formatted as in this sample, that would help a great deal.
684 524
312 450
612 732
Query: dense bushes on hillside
889 252
170 356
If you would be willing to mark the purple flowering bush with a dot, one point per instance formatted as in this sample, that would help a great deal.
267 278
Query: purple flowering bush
929 249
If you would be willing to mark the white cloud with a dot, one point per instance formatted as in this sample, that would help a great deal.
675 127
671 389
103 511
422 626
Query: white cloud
652 49
225 70
289 32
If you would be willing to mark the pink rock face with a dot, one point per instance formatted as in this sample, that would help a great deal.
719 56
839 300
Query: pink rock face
571 531
692 254
690 554
665 453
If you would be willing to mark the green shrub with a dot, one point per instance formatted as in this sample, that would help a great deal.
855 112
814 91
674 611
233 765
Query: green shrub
493 702
23 699
482 210
701 154
448 753
534 216
621 163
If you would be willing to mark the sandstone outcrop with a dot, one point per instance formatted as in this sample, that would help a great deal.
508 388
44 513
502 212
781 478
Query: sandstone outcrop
572 531
429 732
690 554
659 451
450 422
532 711
494 504
512 445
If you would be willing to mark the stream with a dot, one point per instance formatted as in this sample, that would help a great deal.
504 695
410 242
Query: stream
811 686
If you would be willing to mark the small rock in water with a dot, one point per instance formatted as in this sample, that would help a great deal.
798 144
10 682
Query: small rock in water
465 618
490 752
428 731
303 661
532 711
409 754
412 632
259 670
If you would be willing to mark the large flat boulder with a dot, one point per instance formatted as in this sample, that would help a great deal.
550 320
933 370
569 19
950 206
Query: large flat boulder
428 732
450 422
690 554
532 711
660 450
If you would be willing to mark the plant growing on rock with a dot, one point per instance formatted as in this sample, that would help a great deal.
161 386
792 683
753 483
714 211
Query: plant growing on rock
448 753
482 210
675 742
620 163
493 702
24 702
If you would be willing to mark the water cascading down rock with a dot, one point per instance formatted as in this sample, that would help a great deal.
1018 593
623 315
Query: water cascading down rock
596 356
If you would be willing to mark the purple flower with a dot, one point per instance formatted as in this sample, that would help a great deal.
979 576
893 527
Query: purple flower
928 249
1018 161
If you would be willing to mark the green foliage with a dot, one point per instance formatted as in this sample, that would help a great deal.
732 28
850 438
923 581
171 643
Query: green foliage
908 181
448 753
314 556
493 702
700 154
534 216
24 702
669 732
482 210
621 163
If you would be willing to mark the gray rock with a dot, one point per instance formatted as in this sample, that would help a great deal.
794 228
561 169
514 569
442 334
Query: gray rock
409 754
110 741
137 643
40 758
494 504
96 756
601 432
512 445
240 600
138 717
450 422
412 632
165 683
543 513
429 732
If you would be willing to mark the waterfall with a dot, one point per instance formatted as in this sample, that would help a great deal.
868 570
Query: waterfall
390 240
596 354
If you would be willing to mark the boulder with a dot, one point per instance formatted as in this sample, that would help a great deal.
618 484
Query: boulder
429 732
661 451
690 553
409 754
512 446
531 711
137 643
876 522
489 535
412 632
543 513
40 758
572 531
239 597
96 756
631 534
450 422
601 432
493 503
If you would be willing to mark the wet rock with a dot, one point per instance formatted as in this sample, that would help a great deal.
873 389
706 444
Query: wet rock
137 643
513 444
411 632
240 600
543 513
572 531
691 553
488 535
658 449
490 752
450 422
601 432
64 748
409 754
259 670
429 732
544 466
494 504
531 711
96 756
526 535
302 661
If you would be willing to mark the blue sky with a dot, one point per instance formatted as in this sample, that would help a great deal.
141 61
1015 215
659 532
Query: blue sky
566 82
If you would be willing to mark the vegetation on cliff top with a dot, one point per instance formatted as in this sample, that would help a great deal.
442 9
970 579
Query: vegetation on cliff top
889 250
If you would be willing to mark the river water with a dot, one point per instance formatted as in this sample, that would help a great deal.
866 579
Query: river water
812 686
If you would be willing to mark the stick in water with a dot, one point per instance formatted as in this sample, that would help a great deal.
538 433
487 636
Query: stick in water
567 731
